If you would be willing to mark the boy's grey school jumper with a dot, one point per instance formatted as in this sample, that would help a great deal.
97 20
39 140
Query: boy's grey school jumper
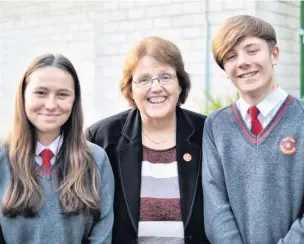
254 186
51 227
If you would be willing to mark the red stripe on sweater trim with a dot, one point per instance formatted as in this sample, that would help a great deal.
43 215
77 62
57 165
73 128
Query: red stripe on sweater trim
234 108
40 171
276 119
264 133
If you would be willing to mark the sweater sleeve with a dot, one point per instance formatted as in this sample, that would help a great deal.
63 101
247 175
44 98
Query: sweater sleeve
220 224
296 233
101 232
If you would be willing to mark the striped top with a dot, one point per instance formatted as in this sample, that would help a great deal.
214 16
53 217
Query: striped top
160 218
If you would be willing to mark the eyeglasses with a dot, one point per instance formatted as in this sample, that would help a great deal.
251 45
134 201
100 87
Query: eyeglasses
148 81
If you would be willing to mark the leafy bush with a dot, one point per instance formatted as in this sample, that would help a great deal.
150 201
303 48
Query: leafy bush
215 103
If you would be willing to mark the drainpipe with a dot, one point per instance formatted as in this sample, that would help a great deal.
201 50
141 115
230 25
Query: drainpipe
207 51
302 49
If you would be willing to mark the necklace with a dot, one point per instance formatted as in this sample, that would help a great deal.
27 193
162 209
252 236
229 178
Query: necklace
158 142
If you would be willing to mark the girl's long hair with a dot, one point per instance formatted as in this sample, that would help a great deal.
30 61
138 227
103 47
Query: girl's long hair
76 173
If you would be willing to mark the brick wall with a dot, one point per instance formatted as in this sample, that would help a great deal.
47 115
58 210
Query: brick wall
122 24
96 36
218 11
285 17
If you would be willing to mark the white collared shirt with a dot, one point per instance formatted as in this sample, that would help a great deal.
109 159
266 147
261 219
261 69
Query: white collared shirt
268 107
54 147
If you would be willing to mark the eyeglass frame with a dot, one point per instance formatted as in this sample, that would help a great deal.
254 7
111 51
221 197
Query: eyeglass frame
173 77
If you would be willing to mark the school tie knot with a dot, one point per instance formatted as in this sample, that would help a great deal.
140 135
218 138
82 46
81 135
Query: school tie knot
256 126
253 112
46 156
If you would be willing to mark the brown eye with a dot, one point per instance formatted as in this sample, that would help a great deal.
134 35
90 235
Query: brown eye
40 93
166 77
231 57
253 51
144 79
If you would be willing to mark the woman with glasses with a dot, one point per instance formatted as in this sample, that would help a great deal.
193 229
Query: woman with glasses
155 150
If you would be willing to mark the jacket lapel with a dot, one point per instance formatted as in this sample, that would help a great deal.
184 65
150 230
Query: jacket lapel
188 154
129 155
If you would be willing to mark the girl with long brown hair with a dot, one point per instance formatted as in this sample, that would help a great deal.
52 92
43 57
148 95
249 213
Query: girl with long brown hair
54 186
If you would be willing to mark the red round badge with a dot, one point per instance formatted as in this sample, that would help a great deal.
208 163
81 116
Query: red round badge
288 145
187 157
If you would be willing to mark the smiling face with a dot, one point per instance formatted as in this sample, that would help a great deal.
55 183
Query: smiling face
49 97
156 101
249 65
